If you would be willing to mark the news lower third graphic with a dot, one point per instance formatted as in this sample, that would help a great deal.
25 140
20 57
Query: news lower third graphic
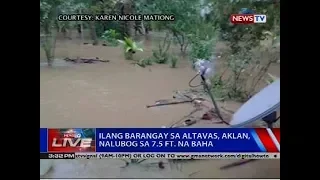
114 155
159 140
71 140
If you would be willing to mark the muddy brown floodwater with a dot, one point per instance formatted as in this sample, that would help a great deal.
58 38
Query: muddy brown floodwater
115 94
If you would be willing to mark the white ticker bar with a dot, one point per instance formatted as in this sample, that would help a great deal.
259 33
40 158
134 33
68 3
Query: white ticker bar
252 155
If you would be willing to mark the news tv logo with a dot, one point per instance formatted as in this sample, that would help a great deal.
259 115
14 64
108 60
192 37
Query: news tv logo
248 18
71 140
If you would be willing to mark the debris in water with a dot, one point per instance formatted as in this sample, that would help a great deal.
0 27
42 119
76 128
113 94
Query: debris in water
238 163
207 116
126 163
189 122
45 166
190 175
161 165
84 60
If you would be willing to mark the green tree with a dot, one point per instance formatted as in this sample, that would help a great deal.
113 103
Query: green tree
248 59
186 13
48 22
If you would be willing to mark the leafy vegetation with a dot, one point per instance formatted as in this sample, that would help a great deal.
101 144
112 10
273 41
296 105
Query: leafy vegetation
253 48
130 47
161 55
173 62
47 22
197 28
110 37
145 62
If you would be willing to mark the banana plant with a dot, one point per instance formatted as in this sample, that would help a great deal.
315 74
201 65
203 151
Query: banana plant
130 47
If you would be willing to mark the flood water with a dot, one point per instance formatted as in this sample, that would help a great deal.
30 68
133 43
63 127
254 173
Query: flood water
115 94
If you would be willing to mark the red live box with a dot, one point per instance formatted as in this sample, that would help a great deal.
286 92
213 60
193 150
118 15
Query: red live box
70 140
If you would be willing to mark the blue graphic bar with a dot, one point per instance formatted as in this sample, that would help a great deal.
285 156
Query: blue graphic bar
176 140
43 140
